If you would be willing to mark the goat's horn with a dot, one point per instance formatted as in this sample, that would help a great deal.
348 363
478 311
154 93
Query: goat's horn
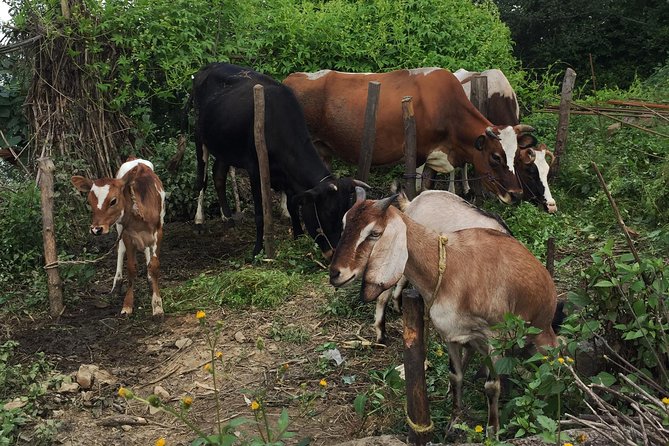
362 184
491 133
360 194
523 128
386 202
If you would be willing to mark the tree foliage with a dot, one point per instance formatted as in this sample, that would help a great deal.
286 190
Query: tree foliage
625 38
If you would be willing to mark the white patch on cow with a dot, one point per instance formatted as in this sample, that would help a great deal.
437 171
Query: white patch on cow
364 234
543 168
438 161
317 75
498 83
119 258
100 193
509 141
463 74
424 71
199 215
284 206
147 256
129 165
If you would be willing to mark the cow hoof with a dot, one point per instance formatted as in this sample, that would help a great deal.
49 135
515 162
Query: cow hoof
126 311
199 229
158 314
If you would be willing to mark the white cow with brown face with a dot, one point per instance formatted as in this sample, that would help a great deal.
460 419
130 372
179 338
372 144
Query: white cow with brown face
478 286
134 201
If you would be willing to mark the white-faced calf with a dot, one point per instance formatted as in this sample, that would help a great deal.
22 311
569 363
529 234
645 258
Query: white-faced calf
487 274
135 202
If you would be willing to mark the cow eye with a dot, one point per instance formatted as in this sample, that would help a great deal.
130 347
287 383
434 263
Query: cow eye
112 202
496 158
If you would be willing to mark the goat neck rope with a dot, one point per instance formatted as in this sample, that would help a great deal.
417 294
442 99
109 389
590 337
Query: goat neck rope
443 241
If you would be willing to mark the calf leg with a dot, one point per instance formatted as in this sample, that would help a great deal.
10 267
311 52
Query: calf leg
119 257
294 213
131 259
154 274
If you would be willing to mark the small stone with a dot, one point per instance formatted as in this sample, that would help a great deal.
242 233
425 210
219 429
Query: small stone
126 427
16 404
161 393
68 388
183 343
57 413
239 337
154 410
85 377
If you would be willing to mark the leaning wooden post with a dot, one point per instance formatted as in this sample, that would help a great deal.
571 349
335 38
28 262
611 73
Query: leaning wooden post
563 121
263 167
409 147
369 131
46 168
418 408
479 97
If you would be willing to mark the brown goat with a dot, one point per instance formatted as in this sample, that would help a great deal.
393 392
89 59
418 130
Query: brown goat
487 274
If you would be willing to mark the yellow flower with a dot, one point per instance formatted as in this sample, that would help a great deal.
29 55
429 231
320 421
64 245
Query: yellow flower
160 442
665 401
255 405
561 360
545 358
219 355
478 429
439 352
200 314
323 383
125 393
569 359
207 367
187 401
567 444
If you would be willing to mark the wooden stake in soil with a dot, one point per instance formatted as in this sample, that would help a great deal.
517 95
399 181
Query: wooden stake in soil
369 132
563 122
418 408
56 307
263 167
409 147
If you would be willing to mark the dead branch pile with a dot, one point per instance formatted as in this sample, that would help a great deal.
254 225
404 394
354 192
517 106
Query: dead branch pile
67 111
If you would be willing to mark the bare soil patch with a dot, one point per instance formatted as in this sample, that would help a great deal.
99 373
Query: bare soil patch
140 352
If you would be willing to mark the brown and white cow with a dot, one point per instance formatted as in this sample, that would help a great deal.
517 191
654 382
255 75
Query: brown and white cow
481 281
449 129
135 202
532 160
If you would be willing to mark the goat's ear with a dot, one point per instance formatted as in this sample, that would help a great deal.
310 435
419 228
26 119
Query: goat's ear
82 184
480 141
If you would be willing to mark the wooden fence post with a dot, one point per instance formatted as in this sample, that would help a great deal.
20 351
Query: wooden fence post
479 97
263 167
409 147
369 131
418 408
56 306
563 122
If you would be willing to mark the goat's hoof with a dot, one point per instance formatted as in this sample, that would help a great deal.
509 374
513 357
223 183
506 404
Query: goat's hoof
158 313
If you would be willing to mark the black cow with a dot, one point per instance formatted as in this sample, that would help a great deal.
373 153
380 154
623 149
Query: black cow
223 98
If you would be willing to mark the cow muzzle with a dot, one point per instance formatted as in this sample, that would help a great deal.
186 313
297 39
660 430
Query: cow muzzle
99 230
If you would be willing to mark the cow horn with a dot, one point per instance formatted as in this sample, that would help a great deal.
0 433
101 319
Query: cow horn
523 128
491 133
360 194
362 184
549 153
386 202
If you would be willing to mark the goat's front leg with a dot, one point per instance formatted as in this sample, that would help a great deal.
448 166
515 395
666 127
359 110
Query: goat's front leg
131 258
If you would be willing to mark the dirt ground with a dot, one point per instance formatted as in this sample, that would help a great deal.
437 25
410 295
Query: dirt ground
140 353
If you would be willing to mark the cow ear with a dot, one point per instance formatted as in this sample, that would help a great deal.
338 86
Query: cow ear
82 184
480 141
526 140
528 155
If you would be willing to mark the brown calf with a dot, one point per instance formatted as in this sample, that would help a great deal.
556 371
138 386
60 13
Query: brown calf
135 202
486 275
